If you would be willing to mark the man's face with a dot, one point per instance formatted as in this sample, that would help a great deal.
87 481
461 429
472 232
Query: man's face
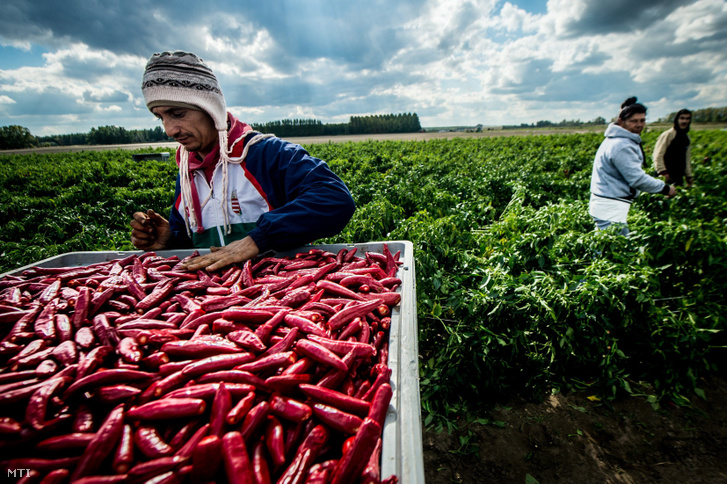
191 128
635 123
684 120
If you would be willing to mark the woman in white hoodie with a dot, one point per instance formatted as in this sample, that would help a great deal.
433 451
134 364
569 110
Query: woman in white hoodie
618 176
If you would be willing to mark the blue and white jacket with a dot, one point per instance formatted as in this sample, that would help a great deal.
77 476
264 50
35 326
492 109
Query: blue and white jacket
617 168
280 196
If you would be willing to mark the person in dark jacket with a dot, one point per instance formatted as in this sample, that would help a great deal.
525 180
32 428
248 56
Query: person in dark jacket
672 153
238 192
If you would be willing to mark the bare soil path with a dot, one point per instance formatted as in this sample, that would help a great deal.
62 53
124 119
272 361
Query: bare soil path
571 439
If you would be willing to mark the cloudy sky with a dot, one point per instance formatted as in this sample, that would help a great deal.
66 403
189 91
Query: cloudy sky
69 65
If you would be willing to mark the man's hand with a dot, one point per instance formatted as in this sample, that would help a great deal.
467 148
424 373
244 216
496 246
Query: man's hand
219 257
672 191
150 231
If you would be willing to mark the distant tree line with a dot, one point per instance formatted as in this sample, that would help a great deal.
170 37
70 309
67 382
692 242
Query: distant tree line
106 135
375 124
707 115
18 137
15 137
573 123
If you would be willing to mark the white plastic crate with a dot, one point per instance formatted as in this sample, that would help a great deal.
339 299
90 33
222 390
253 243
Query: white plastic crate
402 453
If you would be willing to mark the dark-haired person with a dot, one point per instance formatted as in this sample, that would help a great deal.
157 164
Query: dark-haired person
238 192
618 176
672 153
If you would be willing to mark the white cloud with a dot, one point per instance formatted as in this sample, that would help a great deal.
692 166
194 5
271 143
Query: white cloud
700 20
450 61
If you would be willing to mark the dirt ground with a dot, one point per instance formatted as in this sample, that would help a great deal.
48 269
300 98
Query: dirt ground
570 439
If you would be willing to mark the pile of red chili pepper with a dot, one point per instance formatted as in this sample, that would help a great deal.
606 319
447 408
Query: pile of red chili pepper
137 370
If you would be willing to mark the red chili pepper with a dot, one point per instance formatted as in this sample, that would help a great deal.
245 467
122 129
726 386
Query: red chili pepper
221 406
335 376
286 383
216 363
306 454
56 476
187 449
249 315
297 297
44 326
200 347
303 324
206 391
115 394
150 443
168 408
336 399
18 394
98 299
85 337
337 419
341 318
384 376
247 340
320 354
103 330
75 440
206 459
106 377
263 331
159 293
102 445
391 299
352 463
342 347
380 404
64 328
50 292
155 360
301 366
155 467
32 347
32 360
289 409
129 350
9 426
165 385
83 420
236 459
260 467
240 410
372 472
234 376
275 441
190 321
284 344
273 361
124 455
254 420
184 433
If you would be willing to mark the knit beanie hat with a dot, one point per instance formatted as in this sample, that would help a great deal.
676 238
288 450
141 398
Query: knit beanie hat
183 79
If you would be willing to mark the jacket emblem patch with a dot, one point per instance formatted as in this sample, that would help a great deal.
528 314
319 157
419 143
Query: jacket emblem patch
235 203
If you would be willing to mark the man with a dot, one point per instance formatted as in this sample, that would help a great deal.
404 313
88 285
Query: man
672 153
618 177
238 192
